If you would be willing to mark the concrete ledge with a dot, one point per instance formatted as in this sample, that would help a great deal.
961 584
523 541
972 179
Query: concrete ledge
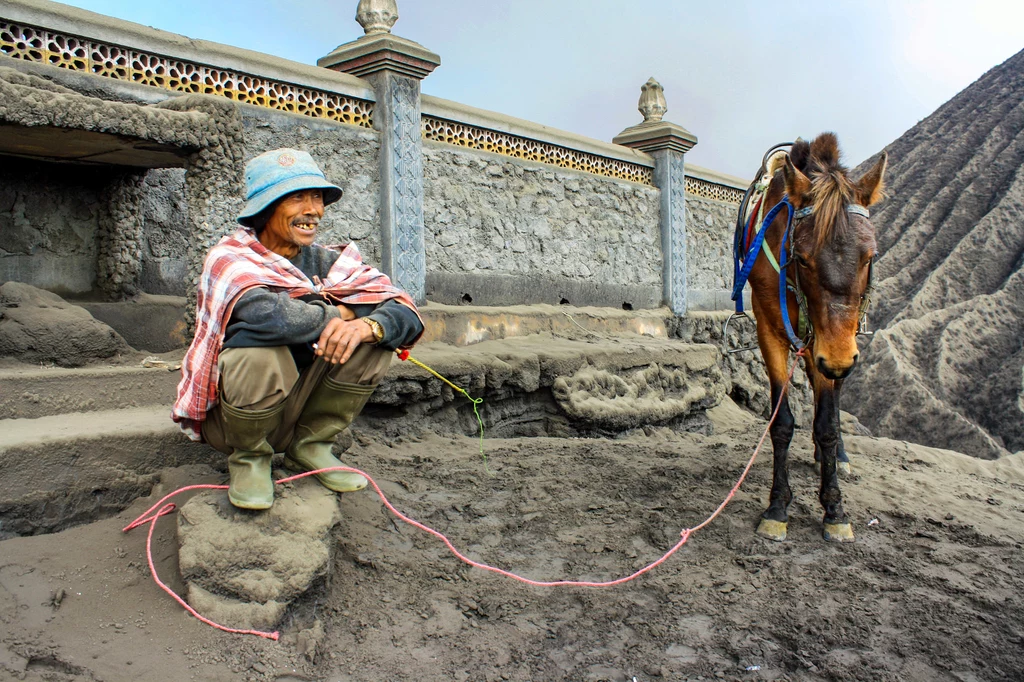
554 384
505 290
492 120
73 21
470 324
717 299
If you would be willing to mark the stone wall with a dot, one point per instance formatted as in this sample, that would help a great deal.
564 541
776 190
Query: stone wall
498 230
50 214
709 227
348 157
502 228
49 220
346 154
164 232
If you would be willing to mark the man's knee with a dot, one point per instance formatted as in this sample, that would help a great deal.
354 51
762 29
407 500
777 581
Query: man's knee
367 366
256 378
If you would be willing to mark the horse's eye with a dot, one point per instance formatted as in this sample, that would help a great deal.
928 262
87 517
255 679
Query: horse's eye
801 261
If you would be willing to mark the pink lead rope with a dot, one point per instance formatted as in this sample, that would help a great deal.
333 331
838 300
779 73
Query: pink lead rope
153 514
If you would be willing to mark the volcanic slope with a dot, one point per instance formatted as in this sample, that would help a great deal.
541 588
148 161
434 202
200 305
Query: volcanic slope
945 367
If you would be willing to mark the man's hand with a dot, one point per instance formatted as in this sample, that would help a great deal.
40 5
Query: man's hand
346 312
340 339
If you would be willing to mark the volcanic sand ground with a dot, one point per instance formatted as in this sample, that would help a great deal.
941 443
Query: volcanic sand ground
932 591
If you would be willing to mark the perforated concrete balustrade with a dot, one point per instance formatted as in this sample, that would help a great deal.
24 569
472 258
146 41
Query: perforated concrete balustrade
465 135
34 44
710 190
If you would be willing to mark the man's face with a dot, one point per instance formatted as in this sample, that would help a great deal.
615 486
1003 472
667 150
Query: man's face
293 223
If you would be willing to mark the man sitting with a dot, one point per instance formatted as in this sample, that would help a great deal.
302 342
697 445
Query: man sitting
291 338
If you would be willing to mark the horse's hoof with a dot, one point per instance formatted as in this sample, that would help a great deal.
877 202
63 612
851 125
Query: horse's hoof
838 532
773 530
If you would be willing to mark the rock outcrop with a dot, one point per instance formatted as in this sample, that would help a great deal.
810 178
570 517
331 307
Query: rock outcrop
548 385
945 368
244 568
37 326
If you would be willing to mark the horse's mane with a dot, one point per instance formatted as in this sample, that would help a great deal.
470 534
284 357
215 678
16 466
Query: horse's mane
831 189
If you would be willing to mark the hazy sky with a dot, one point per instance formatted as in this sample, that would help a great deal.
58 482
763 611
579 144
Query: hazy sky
740 75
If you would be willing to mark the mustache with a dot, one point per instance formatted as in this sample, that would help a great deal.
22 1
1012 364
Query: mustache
311 219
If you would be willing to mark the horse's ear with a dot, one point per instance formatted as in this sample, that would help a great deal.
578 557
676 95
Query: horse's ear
871 188
797 184
800 152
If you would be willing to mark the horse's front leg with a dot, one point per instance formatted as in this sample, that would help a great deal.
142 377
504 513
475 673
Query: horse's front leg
775 519
827 443
842 459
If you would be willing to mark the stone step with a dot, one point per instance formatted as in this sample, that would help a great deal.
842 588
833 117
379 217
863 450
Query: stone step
31 392
61 470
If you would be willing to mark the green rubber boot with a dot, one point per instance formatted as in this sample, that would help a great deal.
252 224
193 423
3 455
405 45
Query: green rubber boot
249 464
330 409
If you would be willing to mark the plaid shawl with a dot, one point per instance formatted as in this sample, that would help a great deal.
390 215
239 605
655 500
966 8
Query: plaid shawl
239 262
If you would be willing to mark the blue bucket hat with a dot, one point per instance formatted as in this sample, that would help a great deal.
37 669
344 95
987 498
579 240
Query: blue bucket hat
279 172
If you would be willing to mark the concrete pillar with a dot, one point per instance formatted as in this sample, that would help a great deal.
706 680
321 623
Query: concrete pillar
394 67
667 143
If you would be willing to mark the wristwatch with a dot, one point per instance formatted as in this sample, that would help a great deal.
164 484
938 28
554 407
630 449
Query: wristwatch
378 330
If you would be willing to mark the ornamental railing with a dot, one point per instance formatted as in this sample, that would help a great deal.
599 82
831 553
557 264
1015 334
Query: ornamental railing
108 60
515 146
706 189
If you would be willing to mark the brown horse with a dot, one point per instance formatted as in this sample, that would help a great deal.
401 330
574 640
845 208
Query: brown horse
830 249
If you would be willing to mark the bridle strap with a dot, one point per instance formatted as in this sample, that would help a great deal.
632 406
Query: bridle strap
865 302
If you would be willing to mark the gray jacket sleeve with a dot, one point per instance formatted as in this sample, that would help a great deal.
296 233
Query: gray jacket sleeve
401 325
262 317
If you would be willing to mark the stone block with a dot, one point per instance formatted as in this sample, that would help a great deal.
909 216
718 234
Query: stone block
244 568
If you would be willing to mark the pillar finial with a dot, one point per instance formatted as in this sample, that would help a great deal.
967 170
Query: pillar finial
380 49
654 133
377 16
652 101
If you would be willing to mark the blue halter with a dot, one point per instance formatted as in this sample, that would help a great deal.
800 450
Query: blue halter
794 340
744 263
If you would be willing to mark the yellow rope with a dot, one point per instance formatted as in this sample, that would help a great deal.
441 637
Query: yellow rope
404 355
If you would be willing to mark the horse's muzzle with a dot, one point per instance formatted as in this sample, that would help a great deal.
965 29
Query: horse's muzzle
833 372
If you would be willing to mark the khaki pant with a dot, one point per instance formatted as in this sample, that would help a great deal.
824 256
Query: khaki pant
261 378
